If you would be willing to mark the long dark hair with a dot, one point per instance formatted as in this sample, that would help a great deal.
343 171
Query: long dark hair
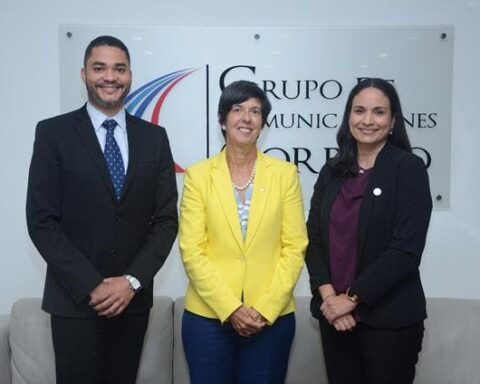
345 161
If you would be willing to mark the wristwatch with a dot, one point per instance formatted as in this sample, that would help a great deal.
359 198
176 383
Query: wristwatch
134 283
352 296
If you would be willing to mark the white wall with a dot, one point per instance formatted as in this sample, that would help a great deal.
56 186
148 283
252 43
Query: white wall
29 91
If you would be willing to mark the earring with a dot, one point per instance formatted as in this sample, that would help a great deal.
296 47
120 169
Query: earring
391 131
223 128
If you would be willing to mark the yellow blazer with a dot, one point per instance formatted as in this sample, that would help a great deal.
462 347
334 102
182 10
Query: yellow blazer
225 271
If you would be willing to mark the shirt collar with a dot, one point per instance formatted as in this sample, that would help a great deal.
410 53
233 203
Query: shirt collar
98 118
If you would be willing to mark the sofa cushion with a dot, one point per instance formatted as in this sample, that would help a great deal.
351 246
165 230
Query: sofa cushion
32 357
306 363
180 368
157 356
31 344
451 343
4 350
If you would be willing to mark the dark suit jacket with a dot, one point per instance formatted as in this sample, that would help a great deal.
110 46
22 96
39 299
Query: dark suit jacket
392 229
77 225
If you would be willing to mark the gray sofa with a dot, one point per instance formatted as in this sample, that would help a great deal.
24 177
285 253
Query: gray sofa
450 353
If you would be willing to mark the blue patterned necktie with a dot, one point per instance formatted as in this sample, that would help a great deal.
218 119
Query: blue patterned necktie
114 158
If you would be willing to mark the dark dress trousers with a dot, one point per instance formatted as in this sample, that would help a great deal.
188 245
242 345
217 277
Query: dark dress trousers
80 229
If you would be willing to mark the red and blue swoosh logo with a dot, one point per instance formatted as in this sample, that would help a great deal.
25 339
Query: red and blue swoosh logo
154 93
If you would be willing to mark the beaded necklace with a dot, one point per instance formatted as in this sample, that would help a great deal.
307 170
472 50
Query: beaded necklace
249 181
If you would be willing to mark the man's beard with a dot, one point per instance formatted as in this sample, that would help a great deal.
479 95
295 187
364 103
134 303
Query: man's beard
95 98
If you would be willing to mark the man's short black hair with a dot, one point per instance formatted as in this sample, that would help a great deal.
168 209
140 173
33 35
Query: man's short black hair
102 41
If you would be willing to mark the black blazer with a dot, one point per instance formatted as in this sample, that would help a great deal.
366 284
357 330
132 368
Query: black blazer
77 225
392 229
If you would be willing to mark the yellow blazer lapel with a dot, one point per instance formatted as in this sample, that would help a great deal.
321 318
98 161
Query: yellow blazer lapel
224 190
261 192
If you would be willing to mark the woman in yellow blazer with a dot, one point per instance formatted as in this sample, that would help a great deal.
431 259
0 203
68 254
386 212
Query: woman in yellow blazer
242 239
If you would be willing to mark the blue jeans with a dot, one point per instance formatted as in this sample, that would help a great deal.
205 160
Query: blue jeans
216 354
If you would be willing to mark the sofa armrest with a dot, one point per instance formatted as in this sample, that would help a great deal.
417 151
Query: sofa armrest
451 342
5 377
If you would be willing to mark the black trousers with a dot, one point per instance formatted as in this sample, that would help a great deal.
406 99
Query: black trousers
98 350
369 355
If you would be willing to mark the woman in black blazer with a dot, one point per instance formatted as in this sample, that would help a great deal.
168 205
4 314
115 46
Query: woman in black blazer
367 225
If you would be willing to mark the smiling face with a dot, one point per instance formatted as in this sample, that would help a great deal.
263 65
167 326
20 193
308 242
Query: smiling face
108 78
371 118
244 123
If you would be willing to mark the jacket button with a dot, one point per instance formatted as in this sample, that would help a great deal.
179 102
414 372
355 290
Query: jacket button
119 219
112 253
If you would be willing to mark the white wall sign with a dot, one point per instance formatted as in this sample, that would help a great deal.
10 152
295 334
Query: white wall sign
307 73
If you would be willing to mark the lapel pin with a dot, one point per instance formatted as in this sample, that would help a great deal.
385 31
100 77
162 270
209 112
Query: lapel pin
377 191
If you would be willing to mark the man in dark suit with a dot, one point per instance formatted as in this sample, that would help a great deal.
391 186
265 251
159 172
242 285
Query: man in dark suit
102 212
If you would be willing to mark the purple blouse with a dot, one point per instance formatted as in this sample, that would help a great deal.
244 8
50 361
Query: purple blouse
343 230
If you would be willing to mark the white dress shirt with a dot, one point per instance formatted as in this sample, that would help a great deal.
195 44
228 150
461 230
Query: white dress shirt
120 131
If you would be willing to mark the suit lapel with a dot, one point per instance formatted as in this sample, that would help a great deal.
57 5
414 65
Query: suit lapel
224 190
261 192
380 168
134 139
364 217
86 132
